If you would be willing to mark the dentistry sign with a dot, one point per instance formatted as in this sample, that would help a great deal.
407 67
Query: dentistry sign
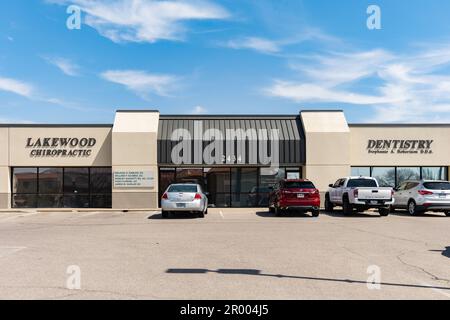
69 147
400 146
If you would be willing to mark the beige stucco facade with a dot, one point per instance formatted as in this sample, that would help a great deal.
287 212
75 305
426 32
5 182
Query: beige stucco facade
135 150
130 148
327 147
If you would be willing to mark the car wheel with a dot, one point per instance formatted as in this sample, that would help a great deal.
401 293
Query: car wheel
384 212
447 213
315 213
165 214
271 209
412 208
201 214
328 205
278 211
347 207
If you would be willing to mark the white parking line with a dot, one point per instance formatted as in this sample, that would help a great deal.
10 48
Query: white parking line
436 289
89 214
5 251
17 215
221 214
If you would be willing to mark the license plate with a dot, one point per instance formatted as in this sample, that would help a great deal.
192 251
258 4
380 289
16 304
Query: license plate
300 195
373 202
181 205
442 196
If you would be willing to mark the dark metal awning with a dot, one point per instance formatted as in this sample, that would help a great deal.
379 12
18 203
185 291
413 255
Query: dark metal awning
291 139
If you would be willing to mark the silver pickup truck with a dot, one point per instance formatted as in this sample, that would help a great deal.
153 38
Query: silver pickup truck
360 193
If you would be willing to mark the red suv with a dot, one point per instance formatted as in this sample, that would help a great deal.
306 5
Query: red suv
299 195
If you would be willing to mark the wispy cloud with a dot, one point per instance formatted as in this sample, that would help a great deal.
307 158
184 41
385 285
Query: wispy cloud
65 65
18 87
141 82
199 110
276 46
400 87
254 43
145 20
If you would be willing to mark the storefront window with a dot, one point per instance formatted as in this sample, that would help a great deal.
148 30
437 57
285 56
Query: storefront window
76 181
166 178
407 173
434 173
360 171
218 184
61 187
190 175
50 180
24 180
384 175
243 182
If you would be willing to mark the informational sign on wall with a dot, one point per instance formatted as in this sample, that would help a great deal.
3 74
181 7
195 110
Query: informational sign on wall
134 179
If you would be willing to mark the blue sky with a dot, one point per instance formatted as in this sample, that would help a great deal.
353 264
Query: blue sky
224 57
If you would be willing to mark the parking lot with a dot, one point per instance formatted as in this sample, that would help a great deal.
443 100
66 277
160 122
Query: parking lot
231 254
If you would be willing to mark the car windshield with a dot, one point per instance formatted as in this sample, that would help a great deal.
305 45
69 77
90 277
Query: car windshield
298 185
437 185
362 183
183 188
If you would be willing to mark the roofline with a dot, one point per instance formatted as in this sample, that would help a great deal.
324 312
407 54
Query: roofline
321 110
392 125
32 125
136 111
229 116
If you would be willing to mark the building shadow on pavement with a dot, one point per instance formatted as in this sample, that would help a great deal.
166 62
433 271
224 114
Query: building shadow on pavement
288 214
254 272
445 253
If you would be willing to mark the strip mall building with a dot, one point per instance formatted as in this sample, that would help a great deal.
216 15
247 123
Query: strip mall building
129 164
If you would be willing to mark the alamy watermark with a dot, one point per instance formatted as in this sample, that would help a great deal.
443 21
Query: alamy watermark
374 19
374 279
73 281
73 22
225 146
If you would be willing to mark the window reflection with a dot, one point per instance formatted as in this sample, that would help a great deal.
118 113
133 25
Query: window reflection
360 171
61 187
434 173
50 180
24 180
385 176
407 173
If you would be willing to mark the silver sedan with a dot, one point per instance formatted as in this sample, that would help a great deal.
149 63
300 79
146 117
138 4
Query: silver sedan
184 198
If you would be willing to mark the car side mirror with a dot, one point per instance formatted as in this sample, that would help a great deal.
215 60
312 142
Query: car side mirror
331 186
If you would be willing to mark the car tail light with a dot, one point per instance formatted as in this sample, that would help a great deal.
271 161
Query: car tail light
164 196
425 192
198 196
355 193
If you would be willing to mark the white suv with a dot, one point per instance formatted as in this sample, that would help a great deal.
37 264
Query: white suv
418 196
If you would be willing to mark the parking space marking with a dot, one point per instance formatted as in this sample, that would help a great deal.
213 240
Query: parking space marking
436 289
6 251
14 216
221 214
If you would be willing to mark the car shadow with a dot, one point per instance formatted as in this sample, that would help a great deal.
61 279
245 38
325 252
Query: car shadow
404 213
255 272
176 216
287 214
340 214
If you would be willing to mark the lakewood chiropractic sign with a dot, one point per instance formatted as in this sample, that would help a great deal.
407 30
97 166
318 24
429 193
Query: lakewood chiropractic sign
400 146
60 147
